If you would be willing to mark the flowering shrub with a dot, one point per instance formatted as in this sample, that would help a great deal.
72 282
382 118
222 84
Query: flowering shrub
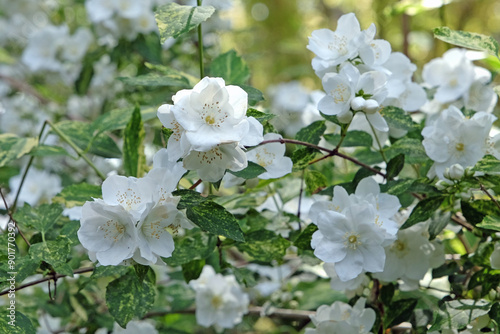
137 197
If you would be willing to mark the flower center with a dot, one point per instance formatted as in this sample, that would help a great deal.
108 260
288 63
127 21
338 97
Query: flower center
210 120
351 240
216 301
460 147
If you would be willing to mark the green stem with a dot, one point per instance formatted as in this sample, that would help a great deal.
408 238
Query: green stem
76 149
23 178
200 47
378 141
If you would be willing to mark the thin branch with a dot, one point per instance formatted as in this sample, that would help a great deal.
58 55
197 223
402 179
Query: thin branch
253 311
196 184
13 220
484 190
24 87
48 278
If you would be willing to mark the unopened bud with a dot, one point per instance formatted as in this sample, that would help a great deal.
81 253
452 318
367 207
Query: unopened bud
358 103
469 172
455 172
442 185
371 106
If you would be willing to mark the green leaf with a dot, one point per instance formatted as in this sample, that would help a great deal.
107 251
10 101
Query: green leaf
55 253
192 247
488 164
259 115
395 165
231 68
127 297
490 223
77 194
47 150
468 40
412 149
192 269
179 296
303 241
82 135
399 311
423 211
83 81
331 118
352 139
245 276
105 271
41 218
397 118
302 156
157 80
13 147
174 20
315 181
134 158
18 324
251 171
189 198
311 133
149 47
264 245
213 218
254 95
457 314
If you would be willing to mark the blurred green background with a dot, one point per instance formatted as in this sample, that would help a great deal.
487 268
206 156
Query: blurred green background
272 35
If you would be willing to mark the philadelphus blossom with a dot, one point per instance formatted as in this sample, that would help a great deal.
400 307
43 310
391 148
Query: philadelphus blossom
210 127
454 139
353 229
332 48
220 301
410 257
349 91
343 318
135 219
272 157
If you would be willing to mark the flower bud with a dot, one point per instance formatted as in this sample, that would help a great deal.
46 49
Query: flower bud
442 185
469 172
371 106
455 172
358 103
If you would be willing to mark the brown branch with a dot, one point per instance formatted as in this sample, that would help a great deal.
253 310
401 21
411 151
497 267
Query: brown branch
13 220
48 278
484 190
253 311
331 153
24 87
196 184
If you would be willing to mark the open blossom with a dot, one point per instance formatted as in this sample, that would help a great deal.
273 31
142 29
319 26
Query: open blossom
220 301
332 48
454 139
350 90
272 157
211 113
343 318
452 74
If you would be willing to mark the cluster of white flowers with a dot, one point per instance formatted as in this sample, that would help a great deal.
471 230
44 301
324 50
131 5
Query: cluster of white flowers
459 82
220 300
210 128
122 18
53 49
343 318
354 229
454 139
136 218
360 74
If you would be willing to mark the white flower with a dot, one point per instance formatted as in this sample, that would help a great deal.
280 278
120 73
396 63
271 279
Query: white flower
454 139
342 88
409 257
334 47
349 287
155 231
343 318
272 157
76 46
219 299
39 186
43 46
134 327
211 113
452 74
349 239
108 231
211 165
